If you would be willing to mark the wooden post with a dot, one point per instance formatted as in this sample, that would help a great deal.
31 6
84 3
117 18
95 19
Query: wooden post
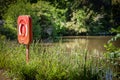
27 53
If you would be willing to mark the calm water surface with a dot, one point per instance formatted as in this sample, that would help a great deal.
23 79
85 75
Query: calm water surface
91 43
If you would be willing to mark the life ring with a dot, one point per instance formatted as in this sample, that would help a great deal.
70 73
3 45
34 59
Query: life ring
20 26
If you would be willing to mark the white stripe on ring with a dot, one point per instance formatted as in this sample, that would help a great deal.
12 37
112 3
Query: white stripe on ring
26 30
19 29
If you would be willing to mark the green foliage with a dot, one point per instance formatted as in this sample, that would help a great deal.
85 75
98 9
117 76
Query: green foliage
110 47
43 17
4 4
20 8
117 30
96 25
77 22
113 57
49 63
117 36
50 18
54 19
2 37
113 52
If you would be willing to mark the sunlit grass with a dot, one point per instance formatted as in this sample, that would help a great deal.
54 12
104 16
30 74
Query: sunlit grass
55 62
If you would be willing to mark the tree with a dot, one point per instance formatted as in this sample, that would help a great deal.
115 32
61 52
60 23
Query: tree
4 4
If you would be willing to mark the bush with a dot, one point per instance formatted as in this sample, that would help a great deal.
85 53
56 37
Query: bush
14 10
50 22
77 22
45 18
113 53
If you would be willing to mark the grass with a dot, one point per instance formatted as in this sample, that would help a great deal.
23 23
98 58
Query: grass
55 62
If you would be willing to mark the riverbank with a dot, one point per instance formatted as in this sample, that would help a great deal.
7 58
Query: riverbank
79 58
78 37
49 63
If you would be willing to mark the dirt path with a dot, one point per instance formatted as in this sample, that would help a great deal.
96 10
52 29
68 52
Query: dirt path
2 76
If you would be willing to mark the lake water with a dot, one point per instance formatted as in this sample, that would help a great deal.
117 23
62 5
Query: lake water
93 44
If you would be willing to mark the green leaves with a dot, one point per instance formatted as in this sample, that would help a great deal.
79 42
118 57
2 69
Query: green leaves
14 10
113 52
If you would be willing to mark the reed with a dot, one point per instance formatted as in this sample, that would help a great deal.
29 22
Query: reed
53 62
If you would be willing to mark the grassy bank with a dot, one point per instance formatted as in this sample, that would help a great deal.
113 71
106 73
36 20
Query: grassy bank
55 62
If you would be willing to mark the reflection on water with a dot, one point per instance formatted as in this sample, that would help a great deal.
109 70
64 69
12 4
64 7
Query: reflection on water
93 44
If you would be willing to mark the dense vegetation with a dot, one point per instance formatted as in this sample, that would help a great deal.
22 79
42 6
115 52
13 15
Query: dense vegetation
52 18
56 62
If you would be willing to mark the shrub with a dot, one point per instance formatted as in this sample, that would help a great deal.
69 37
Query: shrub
43 17
77 22
51 21
113 53
14 10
